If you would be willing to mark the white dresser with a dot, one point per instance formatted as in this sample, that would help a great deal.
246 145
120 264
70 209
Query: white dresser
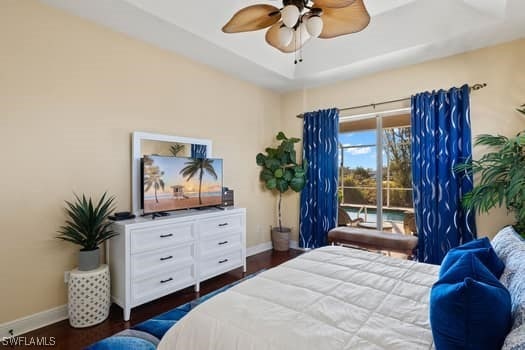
152 258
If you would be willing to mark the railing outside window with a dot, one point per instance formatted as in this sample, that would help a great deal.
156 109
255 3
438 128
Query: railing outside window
358 183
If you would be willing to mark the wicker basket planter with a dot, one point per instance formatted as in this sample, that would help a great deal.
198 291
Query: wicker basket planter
281 239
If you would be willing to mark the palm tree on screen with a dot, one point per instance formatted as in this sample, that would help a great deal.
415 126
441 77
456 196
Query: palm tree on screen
152 177
198 165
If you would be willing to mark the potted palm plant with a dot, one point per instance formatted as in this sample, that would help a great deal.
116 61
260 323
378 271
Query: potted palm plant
87 225
280 172
175 149
501 176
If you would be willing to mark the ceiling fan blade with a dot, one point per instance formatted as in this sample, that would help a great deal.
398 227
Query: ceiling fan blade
333 3
251 18
342 21
272 38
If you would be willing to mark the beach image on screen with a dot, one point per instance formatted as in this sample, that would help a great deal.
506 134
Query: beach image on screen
172 183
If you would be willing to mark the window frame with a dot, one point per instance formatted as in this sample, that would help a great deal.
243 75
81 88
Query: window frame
379 117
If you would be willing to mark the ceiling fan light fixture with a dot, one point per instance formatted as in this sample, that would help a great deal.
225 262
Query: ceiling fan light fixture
290 27
285 35
314 26
290 15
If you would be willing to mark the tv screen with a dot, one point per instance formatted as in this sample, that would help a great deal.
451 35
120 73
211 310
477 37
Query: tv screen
172 183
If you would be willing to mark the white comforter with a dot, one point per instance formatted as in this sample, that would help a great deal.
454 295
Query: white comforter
330 298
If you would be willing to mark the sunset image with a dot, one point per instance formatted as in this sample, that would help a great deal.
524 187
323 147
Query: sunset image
172 183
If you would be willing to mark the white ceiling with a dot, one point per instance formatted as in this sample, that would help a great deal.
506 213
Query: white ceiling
401 32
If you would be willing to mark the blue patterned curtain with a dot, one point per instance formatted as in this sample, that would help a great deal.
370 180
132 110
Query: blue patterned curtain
441 139
319 196
198 151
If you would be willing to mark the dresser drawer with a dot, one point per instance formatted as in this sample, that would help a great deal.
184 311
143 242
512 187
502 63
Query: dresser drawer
148 263
220 263
220 243
215 226
162 283
160 236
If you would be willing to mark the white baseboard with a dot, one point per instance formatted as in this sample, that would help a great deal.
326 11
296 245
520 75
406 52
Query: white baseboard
32 322
259 248
295 245
59 313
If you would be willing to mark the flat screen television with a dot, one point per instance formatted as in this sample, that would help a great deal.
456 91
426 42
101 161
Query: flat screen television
173 183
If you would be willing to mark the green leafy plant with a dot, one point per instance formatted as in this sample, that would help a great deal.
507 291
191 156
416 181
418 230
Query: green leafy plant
176 149
501 176
198 165
280 170
87 223
521 109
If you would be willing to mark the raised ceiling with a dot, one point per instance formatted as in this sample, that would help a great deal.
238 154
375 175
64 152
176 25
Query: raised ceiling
401 32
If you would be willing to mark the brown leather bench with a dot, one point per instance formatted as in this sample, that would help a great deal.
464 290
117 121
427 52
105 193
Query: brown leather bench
373 240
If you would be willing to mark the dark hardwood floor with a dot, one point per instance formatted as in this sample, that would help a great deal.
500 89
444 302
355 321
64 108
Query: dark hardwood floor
68 338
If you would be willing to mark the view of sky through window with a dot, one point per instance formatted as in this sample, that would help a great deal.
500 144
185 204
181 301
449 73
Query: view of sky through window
365 156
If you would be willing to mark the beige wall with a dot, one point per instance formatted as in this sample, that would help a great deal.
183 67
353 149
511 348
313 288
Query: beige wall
492 108
71 92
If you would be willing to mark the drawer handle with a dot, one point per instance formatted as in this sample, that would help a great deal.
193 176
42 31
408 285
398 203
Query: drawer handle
166 281
222 225
166 236
222 243
167 258
223 261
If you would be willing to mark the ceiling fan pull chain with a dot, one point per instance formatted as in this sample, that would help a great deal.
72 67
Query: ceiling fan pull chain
300 40
295 46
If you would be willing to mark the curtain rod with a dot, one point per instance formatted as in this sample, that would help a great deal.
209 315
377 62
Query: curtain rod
474 87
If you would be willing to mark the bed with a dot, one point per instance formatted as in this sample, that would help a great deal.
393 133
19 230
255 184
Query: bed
329 298
337 298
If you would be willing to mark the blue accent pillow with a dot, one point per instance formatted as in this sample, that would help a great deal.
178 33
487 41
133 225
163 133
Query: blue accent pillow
469 307
483 251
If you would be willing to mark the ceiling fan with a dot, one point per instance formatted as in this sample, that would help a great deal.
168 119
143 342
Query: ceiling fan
299 20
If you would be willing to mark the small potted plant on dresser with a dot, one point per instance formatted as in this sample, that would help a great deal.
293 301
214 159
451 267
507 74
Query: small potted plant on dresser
88 226
280 172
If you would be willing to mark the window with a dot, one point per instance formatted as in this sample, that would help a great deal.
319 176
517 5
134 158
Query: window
363 174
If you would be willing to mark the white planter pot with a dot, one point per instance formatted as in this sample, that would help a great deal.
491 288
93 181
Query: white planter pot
88 259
